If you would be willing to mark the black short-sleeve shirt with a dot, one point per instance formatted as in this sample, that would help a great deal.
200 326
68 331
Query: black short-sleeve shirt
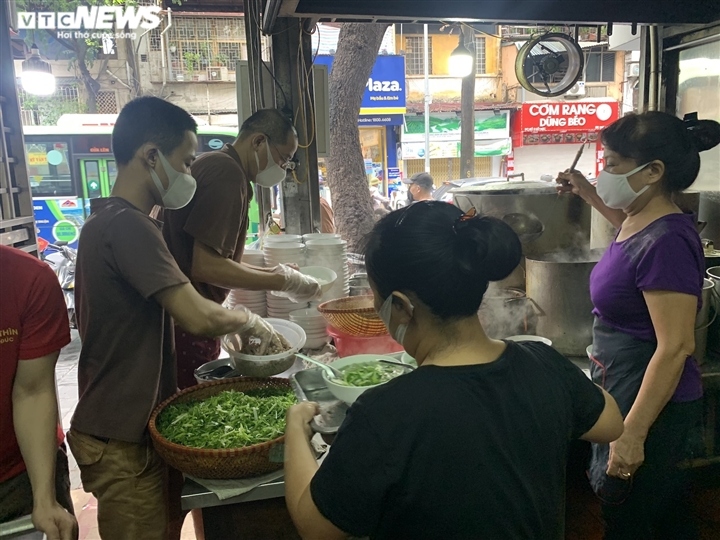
467 452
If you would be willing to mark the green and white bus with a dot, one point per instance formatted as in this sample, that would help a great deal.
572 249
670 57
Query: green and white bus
70 164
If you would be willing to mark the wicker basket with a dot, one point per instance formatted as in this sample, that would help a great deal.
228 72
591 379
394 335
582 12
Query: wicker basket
354 315
233 463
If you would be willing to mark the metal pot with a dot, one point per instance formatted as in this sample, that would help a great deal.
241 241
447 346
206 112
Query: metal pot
705 318
359 285
602 232
565 219
713 337
559 285
507 312
688 201
710 212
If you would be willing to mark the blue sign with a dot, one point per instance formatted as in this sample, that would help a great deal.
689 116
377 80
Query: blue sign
393 174
380 120
385 92
59 219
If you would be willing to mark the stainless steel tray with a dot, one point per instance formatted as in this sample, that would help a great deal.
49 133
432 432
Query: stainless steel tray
308 385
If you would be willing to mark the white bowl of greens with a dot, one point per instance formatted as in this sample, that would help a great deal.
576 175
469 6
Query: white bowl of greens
361 372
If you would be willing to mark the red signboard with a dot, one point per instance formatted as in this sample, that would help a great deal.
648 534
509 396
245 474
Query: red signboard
567 116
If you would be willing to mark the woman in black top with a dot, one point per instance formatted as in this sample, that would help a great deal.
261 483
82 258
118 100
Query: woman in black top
473 443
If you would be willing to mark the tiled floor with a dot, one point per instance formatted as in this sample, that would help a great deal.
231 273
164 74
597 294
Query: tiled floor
84 503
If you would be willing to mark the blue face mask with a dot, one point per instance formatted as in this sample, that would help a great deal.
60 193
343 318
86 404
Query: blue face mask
385 314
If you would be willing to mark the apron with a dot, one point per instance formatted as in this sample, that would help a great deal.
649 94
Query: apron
618 365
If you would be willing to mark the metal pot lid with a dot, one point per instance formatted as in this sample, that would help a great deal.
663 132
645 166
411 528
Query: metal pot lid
507 188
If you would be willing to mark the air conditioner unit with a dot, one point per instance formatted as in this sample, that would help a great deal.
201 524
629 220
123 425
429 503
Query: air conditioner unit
578 90
633 70
217 73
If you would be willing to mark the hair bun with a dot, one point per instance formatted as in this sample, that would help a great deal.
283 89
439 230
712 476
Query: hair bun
487 247
705 134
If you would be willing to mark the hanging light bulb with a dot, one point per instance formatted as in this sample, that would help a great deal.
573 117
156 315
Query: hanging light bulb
36 76
461 60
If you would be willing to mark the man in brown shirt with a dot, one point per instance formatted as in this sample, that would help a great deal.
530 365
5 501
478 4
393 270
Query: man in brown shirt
327 217
207 237
127 288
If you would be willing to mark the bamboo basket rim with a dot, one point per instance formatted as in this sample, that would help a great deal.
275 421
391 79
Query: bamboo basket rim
213 452
329 309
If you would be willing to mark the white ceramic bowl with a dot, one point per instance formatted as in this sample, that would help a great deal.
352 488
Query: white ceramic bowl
325 276
546 341
317 342
407 359
320 236
308 314
311 329
349 394
283 238
326 242
589 352
266 366
314 332
282 246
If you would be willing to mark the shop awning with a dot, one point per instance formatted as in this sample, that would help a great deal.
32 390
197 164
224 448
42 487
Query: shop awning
555 12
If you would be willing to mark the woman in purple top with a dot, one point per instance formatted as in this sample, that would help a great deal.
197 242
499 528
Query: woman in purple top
646 290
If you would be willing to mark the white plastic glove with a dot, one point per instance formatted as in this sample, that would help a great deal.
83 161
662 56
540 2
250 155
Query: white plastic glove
298 287
257 332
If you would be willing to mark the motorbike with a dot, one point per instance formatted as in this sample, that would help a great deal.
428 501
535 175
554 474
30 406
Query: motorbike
61 258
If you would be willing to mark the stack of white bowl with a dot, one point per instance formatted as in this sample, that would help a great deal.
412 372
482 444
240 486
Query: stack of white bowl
282 252
319 236
255 301
331 253
276 252
314 325
282 239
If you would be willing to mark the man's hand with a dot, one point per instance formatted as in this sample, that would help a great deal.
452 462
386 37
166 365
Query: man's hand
298 287
257 329
56 522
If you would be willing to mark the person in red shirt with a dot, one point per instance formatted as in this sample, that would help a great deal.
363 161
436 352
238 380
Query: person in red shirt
34 477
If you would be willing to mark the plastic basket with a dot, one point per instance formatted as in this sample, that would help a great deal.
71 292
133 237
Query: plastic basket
354 315
352 345
231 463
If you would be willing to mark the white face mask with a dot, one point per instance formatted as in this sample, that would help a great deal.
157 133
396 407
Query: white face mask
615 190
272 174
385 314
181 186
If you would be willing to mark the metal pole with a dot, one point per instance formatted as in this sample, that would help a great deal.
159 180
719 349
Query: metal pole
467 109
428 98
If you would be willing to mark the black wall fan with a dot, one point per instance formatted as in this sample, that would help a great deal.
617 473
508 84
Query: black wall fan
549 64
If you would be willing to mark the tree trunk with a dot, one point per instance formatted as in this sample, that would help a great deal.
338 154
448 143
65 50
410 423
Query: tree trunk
357 50
467 112
91 85
134 82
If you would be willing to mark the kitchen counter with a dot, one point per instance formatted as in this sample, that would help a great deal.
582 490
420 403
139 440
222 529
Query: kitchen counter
265 504
196 496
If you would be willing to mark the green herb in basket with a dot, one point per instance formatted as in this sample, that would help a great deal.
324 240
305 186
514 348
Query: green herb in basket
230 419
